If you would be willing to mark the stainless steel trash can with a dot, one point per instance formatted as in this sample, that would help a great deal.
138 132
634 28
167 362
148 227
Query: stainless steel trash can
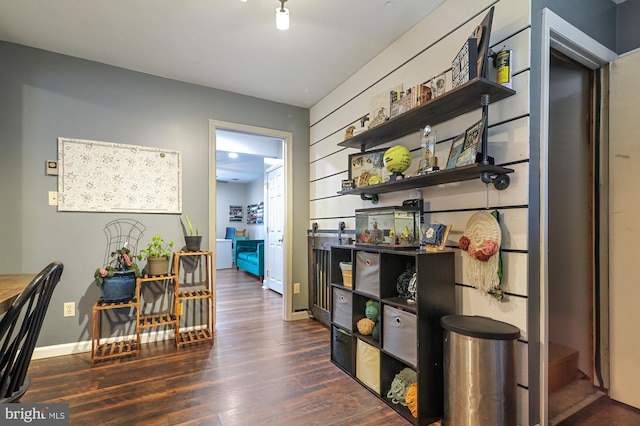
479 371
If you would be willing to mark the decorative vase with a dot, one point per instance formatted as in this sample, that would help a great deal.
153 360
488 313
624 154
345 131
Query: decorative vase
120 287
193 242
157 265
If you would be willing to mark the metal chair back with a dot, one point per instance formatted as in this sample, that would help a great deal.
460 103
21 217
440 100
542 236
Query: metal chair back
19 330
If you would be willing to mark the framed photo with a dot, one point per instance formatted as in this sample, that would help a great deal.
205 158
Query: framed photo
464 65
455 151
235 213
482 34
472 141
434 236
365 165
381 106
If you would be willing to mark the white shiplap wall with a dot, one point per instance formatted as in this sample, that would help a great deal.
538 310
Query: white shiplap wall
424 51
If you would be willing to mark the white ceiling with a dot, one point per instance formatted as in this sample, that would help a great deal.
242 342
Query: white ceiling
226 44
255 154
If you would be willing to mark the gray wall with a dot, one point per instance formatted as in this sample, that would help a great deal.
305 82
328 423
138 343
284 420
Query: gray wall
46 95
628 34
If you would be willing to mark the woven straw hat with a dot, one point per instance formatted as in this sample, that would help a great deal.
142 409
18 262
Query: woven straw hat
481 246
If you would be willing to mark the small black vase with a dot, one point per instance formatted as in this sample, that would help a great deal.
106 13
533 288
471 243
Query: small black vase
193 242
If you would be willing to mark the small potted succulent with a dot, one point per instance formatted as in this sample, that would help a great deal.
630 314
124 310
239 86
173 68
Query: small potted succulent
117 280
192 241
157 255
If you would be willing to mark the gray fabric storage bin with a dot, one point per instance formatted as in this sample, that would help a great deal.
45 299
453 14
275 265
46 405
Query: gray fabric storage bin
399 334
368 273
342 308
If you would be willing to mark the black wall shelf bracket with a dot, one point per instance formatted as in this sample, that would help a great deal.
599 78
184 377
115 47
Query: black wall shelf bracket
500 181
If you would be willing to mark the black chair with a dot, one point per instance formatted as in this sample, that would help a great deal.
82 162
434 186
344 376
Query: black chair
19 330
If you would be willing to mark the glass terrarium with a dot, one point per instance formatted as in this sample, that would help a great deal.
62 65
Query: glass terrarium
391 227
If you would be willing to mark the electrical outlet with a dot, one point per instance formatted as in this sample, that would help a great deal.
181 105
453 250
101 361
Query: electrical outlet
53 198
296 288
69 309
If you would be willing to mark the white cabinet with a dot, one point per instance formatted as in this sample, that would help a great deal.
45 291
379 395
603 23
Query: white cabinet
223 254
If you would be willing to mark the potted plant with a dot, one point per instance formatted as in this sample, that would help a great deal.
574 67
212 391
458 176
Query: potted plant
157 255
192 241
117 280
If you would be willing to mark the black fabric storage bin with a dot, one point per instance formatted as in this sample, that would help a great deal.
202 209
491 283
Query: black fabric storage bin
368 273
342 349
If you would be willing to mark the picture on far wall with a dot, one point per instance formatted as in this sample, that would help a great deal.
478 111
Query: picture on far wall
235 213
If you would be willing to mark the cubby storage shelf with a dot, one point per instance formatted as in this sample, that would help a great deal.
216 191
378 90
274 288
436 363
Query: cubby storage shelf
464 98
418 346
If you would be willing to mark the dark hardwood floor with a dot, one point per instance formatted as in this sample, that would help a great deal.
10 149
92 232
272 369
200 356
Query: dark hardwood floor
261 370
604 411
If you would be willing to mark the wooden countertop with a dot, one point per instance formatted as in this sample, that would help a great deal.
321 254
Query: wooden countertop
11 286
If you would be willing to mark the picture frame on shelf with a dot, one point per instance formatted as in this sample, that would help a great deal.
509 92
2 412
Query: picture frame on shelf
381 105
482 34
464 66
454 153
434 236
472 141
365 165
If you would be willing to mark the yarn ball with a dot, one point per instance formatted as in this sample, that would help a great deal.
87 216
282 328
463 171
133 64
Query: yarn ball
375 333
411 399
365 326
372 312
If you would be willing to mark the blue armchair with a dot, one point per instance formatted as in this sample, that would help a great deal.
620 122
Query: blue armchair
249 255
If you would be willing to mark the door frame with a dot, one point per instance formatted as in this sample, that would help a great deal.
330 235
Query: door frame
557 34
287 137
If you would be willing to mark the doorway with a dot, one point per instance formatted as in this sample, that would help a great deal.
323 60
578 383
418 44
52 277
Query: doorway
287 138
573 191
560 35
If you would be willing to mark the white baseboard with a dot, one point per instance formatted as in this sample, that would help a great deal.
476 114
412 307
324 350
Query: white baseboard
85 346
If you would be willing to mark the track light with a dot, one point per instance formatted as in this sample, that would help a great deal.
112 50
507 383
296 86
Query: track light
282 17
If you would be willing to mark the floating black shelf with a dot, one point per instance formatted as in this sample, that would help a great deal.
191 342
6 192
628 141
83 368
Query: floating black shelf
462 99
472 171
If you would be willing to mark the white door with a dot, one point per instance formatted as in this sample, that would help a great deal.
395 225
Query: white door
275 230
624 229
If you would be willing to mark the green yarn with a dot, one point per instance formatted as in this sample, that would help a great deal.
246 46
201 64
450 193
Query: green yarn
372 312
375 333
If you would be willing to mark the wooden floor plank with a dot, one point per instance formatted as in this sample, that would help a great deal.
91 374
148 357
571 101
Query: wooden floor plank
261 370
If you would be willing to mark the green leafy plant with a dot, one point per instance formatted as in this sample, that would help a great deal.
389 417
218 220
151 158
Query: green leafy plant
121 261
156 248
189 226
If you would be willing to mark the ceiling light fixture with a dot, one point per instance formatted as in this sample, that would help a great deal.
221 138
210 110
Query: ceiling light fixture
282 17
233 155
